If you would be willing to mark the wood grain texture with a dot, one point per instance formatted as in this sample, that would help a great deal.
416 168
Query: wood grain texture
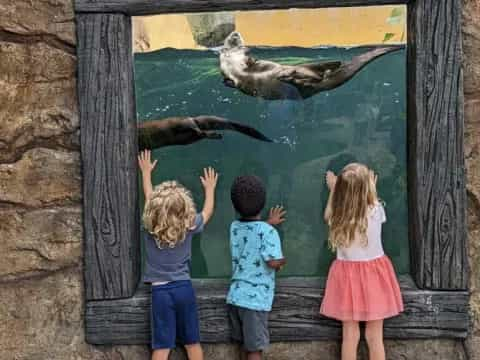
437 203
109 148
428 314
150 7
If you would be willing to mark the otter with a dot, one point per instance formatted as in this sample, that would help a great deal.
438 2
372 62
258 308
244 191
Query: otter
187 130
273 81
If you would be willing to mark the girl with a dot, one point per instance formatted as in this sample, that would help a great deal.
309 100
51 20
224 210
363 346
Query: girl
170 221
361 284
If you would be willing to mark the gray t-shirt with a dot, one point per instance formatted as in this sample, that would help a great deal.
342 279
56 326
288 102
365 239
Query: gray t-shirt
169 264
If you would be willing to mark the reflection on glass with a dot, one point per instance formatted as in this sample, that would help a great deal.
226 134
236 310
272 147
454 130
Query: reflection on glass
363 120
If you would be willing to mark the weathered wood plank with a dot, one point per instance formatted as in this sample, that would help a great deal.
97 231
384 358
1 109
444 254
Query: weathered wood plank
108 147
295 317
436 158
150 7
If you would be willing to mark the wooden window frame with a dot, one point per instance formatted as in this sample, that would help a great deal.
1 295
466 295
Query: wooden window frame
117 304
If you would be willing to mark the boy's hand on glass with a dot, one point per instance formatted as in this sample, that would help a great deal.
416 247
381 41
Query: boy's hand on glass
331 180
145 163
209 178
276 215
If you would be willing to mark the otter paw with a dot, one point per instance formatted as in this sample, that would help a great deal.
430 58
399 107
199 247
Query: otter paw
229 82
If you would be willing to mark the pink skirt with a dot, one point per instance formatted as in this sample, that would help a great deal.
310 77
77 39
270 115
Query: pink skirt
362 291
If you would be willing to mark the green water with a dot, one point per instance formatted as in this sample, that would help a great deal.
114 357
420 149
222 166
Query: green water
363 120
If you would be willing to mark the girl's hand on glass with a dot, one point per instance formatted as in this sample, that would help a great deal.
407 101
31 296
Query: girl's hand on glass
145 163
276 215
209 178
331 180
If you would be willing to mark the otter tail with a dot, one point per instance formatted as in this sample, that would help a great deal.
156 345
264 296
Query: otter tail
358 62
349 69
218 123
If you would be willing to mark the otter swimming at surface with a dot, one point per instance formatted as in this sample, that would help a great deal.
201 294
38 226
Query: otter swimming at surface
187 130
273 81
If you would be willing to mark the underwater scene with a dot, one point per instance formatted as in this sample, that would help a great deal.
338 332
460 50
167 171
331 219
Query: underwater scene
363 120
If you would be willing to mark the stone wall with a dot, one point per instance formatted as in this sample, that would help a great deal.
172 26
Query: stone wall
41 288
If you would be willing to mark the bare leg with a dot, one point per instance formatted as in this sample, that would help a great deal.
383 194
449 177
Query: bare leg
243 354
257 355
374 337
160 354
194 352
350 339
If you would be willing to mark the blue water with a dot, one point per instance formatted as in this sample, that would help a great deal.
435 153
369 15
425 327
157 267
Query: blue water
363 120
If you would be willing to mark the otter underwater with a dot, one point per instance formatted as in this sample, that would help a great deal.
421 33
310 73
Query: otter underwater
238 69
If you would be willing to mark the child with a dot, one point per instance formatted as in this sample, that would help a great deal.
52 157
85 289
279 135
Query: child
361 284
256 256
171 221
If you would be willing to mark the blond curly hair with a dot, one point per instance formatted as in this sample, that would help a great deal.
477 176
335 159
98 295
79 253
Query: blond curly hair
354 195
169 213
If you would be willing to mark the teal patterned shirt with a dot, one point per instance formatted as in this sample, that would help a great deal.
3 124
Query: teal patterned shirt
252 244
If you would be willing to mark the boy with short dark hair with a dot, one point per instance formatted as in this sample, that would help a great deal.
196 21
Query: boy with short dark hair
256 256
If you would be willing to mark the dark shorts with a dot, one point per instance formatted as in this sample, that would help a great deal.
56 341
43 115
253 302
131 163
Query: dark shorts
249 328
174 315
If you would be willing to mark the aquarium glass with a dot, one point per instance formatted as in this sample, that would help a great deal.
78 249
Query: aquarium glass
364 120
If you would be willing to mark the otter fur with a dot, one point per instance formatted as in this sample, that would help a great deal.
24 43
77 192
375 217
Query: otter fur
187 130
273 81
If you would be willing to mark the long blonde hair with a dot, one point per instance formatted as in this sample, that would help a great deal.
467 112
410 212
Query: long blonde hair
353 196
169 213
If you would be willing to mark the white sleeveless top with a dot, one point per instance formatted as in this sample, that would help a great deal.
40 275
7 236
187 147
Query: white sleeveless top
374 248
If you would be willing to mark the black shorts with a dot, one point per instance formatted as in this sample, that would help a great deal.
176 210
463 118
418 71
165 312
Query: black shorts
249 328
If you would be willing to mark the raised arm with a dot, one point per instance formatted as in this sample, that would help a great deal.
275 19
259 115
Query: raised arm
209 182
276 216
331 180
271 247
146 167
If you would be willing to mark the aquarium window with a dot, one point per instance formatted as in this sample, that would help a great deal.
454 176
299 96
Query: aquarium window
285 95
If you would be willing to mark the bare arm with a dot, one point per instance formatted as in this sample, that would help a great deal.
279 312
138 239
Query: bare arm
209 182
146 167
276 217
271 246
147 185
328 209
331 180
